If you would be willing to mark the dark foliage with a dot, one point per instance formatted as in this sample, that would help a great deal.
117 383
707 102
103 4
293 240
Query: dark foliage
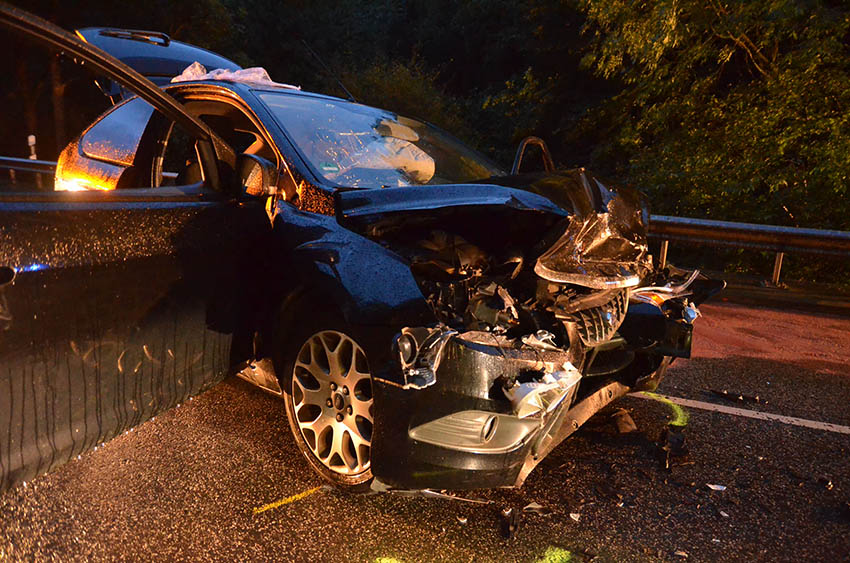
731 109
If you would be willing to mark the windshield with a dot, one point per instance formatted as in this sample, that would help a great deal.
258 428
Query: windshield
358 146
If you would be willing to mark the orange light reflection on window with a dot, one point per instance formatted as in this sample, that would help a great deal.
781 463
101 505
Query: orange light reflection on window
78 185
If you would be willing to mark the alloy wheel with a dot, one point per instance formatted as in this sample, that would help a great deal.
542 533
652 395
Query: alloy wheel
332 401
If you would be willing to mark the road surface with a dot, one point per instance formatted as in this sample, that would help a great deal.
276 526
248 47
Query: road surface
219 478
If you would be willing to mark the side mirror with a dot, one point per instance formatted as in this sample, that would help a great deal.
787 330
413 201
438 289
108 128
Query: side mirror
257 176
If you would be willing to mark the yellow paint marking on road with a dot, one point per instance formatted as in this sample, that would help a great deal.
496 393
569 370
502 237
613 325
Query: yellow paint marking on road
680 415
287 500
556 555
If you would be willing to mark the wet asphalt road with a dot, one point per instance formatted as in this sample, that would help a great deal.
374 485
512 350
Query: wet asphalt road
184 486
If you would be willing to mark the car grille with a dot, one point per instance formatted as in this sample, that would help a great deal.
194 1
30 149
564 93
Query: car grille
598 324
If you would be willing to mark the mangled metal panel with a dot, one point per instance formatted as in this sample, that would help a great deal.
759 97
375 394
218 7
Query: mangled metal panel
604 243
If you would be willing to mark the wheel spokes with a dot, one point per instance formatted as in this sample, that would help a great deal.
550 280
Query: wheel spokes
332 400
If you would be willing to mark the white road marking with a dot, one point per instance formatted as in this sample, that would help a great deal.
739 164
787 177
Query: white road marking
828 426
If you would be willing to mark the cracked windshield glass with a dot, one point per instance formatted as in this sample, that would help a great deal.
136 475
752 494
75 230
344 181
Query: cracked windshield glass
358 146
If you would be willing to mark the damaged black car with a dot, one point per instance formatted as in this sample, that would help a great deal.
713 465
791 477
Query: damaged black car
428 318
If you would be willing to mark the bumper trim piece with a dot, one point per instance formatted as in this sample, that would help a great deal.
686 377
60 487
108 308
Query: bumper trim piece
476 432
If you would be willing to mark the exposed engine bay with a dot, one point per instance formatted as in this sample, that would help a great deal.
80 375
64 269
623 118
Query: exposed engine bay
546 307
496 297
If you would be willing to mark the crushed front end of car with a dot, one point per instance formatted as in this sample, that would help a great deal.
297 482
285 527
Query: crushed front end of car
548 309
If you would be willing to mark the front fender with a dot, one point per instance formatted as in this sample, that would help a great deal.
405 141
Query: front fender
368 283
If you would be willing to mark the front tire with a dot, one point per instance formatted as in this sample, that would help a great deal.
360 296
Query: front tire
327 388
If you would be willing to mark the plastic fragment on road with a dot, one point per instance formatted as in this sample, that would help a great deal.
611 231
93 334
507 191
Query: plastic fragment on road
724 514
254 75
680 553
462 519
624 422
716 487
536 508
575 516
827 483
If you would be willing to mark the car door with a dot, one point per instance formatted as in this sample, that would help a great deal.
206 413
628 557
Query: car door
117 303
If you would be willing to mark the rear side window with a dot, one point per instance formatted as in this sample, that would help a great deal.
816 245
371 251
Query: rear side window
115 138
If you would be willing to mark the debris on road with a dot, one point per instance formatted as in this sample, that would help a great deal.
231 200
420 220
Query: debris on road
536 508
673 438
738 397
431 493
680 553
575 516
827 483
509 518
463 520
623 420
716 487
723 514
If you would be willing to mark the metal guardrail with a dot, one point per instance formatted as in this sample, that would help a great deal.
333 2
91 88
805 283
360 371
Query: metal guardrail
748 235
27 165
662 227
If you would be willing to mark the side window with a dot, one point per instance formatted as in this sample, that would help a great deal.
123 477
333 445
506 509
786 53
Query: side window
114 153
131 146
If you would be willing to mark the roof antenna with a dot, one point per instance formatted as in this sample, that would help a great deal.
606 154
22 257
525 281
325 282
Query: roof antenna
324 66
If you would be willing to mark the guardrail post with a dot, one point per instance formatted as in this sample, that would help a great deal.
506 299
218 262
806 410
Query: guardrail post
662 259
777 268
34 156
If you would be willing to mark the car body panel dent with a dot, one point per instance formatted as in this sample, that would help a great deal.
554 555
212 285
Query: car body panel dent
331 259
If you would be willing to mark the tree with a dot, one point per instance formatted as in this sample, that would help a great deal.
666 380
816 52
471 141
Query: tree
731 109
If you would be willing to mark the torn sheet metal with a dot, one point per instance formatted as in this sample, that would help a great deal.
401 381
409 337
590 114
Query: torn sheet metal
542 339
254 75
604 243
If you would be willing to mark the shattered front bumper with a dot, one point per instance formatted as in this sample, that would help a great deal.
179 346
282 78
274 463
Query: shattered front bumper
461 432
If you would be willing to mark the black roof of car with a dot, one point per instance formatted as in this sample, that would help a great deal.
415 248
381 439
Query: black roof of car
151 53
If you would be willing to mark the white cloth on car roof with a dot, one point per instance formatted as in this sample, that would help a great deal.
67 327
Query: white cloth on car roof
254 75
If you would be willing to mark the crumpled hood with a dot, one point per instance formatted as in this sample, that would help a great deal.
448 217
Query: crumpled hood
601 231
603 244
